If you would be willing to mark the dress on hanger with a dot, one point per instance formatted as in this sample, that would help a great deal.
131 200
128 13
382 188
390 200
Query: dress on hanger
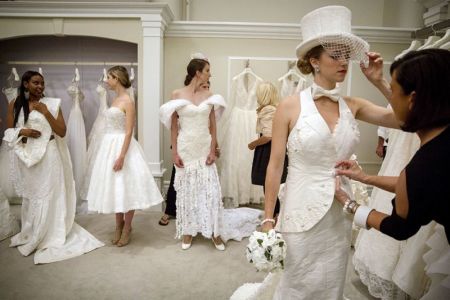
291 83
235 131
94 139
45 182
6 155
133 187
316 230
376 254
76 141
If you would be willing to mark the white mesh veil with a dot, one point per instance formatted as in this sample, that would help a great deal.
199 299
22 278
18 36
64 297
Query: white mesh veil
345 47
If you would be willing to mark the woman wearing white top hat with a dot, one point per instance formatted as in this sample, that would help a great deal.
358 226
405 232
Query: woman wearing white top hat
318 127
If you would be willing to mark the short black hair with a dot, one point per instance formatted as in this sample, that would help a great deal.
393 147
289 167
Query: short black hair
427 73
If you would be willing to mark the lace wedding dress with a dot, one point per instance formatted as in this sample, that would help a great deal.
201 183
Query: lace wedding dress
44 180
235 131
131 188
76 141
199 199
94 140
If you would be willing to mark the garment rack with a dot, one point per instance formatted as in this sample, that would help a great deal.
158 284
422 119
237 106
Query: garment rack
434 29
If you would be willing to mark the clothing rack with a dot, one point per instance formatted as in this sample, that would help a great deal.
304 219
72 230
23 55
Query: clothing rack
247 60
71 63
435 29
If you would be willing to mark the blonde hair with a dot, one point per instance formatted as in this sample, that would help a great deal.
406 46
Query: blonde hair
121 74
267 94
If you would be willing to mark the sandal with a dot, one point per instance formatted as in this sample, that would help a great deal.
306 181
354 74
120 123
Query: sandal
124 239
164 221
117 233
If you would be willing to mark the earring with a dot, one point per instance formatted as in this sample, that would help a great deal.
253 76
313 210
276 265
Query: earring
26 94
316 69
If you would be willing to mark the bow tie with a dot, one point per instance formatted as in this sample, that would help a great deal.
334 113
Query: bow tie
318 91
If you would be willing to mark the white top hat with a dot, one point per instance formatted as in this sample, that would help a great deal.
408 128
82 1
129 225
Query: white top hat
330 25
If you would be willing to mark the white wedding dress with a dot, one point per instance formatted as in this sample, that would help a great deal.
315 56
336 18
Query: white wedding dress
133 187
316 259
199 199
76 141
44 180
291 83
235 131
376 254
94 140
6 155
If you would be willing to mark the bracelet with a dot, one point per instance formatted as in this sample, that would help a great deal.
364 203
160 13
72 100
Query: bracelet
268 220
349 206
361 215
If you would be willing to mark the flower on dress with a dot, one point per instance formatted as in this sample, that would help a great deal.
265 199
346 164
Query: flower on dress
266 250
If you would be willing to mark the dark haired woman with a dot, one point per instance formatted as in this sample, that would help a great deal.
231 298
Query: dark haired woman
121 182
420 99
44 177
191 116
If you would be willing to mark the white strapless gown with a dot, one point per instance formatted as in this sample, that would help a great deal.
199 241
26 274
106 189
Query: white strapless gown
131 188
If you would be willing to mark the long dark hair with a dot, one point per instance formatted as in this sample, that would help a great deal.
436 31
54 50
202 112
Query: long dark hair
22 101
427 72
196 64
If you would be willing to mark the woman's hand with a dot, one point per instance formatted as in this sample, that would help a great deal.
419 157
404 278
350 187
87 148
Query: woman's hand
339 194
374 72
252 145
118 165
217 152
211 158
350 169
177 160
40 107
30 133
266 227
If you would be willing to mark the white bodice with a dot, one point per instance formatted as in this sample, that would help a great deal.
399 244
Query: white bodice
102 93
194 138
245 91
313 152
115 120
10 93
76 94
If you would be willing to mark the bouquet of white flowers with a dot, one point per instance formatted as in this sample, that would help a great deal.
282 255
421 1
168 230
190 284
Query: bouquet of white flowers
266 250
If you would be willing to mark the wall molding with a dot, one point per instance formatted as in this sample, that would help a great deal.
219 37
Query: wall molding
277 31
42 9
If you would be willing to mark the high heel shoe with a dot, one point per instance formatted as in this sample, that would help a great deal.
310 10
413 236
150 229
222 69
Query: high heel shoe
124 238
186 246
220 247
117 233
